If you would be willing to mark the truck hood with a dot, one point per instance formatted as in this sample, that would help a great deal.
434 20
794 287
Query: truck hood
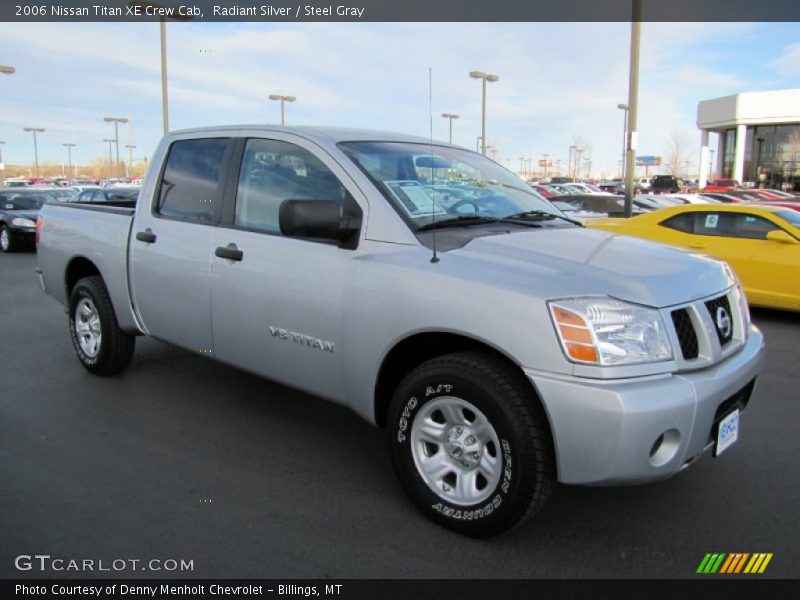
570 262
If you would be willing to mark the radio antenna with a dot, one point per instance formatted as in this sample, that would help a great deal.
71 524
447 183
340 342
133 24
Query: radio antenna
434 258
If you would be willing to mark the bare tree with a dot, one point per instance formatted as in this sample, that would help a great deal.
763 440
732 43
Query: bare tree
677 152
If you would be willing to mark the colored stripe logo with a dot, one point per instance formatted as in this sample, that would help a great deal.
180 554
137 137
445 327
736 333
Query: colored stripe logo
734 563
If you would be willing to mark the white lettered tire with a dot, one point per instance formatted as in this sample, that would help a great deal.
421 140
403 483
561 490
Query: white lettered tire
471 443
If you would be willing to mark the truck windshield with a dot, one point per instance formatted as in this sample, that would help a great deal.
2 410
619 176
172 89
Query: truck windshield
427 183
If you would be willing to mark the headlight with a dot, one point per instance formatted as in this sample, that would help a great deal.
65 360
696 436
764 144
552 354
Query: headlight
605 331
22 222
744 309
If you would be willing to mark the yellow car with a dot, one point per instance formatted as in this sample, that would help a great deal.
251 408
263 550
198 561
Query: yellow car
761 243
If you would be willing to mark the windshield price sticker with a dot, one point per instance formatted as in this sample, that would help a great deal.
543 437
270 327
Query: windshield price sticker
414 198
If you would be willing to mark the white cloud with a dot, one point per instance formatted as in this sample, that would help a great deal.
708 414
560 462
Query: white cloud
788 64
557 80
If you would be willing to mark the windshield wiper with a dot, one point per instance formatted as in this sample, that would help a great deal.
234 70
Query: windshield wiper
542 215
462 221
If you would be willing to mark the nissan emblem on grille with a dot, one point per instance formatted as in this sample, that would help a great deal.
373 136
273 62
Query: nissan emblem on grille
723 320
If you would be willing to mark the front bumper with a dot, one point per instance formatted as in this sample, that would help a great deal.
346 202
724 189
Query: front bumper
604 431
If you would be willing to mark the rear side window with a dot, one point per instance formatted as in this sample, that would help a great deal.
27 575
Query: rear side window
680 222
190 185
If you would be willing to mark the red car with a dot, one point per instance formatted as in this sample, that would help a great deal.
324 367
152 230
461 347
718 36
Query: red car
720 185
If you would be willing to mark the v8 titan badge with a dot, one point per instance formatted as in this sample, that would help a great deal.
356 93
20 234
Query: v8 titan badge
728 432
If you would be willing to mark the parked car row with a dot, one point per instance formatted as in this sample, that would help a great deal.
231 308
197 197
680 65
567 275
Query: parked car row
20 205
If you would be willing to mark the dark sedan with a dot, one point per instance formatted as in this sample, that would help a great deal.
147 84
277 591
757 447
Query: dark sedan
18 212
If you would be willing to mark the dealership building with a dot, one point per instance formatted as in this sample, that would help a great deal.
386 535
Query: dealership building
758 138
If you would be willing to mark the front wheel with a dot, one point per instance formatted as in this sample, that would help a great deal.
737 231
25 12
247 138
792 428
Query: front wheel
6 239
101 346
471 443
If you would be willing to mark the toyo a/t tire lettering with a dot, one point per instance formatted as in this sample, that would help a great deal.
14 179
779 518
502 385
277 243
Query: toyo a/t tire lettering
471 444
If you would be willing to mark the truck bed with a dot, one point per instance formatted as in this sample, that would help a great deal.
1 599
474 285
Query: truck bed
93 231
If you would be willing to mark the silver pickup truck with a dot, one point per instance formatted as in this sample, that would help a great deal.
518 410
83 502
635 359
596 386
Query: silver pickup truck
502 346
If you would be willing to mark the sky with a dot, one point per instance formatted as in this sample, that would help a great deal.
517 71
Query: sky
559 85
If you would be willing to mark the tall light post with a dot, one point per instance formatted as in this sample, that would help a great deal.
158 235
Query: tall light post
569 169
130 148
522 165
6 70
578 152
35 130
545 157
163 33
558 167
283 100
116 121
70 146
624 108
110 159
633 104
484 77
450 117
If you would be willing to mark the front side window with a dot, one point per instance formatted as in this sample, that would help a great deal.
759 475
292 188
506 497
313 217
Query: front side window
427 183
274 171
192 177
734 225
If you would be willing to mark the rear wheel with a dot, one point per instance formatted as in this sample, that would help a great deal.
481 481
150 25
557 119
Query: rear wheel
471 443
6 239
101 346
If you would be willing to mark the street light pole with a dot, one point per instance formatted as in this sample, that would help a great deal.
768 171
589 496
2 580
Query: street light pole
283 99
569 169
450 117
110 159
484 77
633 104
35 130
546 156
130 148
624 108
70 146
116 121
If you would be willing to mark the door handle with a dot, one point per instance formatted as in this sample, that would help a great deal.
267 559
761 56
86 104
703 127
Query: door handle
230 252
698 246
146 236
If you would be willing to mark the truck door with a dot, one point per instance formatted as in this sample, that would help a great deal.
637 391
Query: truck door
278 303
171 243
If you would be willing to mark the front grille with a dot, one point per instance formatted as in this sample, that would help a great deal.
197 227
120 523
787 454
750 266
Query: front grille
722 317
687 336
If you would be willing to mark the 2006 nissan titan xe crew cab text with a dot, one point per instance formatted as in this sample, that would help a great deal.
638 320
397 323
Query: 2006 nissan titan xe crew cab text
502 346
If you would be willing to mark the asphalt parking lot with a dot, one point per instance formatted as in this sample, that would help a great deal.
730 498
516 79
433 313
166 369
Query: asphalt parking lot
183 458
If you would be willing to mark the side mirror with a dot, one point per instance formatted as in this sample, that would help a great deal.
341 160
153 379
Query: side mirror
315 219
779 235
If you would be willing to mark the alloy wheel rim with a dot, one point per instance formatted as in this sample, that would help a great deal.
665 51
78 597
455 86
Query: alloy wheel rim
87 327
4 239
456 451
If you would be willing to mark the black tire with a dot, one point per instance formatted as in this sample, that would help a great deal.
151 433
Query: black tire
9 245
499 391
115 349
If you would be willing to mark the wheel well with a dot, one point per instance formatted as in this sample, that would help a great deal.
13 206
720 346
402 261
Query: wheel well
77 269
412 352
